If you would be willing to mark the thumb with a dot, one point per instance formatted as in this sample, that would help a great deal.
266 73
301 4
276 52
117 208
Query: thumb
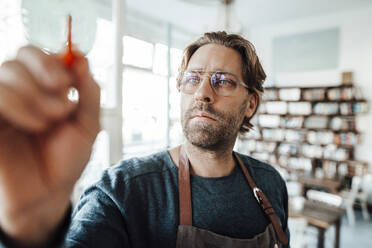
88 109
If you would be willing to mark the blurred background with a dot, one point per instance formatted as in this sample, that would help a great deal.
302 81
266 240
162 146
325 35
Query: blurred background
314 125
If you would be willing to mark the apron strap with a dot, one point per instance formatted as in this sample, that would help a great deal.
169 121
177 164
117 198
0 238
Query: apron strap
184 189
185 195
264 202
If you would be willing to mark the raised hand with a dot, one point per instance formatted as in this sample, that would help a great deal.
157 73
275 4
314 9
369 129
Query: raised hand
45 140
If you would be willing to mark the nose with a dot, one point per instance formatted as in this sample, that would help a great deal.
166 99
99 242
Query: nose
205 93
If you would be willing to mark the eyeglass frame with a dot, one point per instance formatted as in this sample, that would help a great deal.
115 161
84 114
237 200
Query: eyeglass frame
211 73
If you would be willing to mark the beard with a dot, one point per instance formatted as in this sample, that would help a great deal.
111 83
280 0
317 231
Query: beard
216 134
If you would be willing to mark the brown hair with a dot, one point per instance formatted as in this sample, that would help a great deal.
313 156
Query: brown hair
253 73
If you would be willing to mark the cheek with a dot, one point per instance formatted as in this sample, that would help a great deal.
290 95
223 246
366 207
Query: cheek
185 103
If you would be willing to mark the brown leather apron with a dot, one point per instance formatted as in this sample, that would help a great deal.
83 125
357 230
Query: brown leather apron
189 236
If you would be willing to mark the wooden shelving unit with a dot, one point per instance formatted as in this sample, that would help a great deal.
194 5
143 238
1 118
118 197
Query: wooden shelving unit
309 131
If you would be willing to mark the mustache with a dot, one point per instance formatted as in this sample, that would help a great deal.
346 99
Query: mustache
200 106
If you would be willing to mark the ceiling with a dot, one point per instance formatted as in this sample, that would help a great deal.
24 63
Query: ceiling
198 18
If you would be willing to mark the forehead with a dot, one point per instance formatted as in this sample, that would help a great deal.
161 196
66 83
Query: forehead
213 57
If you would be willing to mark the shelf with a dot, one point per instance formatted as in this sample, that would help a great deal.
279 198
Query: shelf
299 155
311 129
310 87
338 162
320 101
309 115
299 142
336 99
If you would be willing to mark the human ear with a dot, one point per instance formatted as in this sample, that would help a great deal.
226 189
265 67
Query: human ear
251 105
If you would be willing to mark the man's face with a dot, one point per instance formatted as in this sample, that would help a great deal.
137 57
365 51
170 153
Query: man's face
208 120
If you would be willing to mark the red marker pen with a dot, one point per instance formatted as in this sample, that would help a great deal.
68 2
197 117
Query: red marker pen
69 57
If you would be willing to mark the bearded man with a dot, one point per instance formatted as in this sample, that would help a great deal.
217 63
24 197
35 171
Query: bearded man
199 194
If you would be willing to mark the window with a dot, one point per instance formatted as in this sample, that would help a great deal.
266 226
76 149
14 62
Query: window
176 57
137 52
144 111
145 97
161 59
175 129
101 62
11 29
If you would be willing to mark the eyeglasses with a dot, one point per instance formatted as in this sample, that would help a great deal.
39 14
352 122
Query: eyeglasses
223 83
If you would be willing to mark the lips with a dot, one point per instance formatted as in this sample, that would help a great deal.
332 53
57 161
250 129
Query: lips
204 115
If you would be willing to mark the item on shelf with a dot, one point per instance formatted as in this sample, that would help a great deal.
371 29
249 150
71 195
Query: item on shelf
262 146
291 94
316 122
341 93
334 94
262 108
342 169
346 108
346 139
254 120
273 134
347 93
251 145
312 151
353 108
325 108
330 169
252 134
276 108
269 120
342 123
359 169
299 108
314 94
347 78
292 122
320 137
261 156
300 163
288 149
294 135
245 146
270 95
358 93
283 160
335 153
272 159
360 108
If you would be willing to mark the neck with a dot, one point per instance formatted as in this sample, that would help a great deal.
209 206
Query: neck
210 163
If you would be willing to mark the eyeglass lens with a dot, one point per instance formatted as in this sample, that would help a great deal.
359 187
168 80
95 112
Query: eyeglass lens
223 83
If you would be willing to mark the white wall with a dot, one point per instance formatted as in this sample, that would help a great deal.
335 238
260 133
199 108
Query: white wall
355 55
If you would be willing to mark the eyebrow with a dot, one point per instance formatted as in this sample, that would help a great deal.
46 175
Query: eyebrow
214 71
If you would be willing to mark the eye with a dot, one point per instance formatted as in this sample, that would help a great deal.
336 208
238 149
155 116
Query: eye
221 80
191 78
224 82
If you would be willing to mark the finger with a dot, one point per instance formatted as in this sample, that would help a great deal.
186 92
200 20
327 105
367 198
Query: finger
18 113
48 70
88 112
52 106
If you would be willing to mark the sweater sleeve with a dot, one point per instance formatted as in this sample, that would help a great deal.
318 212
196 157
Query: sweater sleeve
285 223
96 222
